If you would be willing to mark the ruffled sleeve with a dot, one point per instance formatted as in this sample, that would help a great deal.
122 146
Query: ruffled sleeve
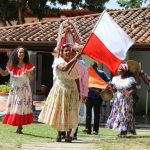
30 67
120 83
132 80
72 75
20 71
57 61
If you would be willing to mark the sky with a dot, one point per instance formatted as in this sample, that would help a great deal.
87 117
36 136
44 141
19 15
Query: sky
112 4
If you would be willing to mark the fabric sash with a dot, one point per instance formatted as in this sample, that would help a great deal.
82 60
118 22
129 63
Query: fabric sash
95 80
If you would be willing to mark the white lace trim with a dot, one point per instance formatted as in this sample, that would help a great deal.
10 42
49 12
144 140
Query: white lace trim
120 83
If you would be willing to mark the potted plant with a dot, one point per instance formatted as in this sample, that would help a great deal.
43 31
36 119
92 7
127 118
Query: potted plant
4 90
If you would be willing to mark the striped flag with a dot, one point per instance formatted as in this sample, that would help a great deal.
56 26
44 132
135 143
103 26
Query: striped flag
108 43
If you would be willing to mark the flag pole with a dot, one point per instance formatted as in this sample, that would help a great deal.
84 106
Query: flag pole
94 27
102 14
88 39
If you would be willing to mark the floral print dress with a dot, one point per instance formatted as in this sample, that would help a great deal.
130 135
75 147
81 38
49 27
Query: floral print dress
19 105
121 116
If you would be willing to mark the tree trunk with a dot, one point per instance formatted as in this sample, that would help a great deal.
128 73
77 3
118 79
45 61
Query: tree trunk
20 12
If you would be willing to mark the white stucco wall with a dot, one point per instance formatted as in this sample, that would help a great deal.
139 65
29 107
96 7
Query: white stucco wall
144 58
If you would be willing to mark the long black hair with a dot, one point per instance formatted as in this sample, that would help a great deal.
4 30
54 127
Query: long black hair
14 60
129 74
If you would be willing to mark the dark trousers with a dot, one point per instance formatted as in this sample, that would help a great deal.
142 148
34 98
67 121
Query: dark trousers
96 104
75 134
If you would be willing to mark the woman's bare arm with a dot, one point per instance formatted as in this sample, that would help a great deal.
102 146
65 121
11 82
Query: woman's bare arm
30 75
65 67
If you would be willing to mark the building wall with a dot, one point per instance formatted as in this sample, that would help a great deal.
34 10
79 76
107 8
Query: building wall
144 59
43 74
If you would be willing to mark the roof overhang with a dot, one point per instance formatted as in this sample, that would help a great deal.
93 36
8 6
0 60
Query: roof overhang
49 46
141 47
32 45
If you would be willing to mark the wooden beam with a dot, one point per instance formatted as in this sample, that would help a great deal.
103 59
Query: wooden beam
32 45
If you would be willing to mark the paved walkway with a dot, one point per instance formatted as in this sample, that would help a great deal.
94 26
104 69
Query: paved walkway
86 143
81 144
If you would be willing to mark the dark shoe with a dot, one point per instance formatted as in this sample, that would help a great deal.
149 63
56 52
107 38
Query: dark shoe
58 139
132 132
74 138
63 137
87 131
123 134
68 139
19 130
95 133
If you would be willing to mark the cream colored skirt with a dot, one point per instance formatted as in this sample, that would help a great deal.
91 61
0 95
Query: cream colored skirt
61 109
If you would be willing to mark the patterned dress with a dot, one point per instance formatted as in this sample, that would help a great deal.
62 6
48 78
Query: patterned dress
121 116
19 104
62 104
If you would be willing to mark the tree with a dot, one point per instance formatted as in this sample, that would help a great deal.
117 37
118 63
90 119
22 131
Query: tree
38 7
8 12
131 3
11 10
94 5
20 8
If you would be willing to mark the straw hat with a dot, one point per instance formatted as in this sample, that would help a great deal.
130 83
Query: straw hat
133 66
106 95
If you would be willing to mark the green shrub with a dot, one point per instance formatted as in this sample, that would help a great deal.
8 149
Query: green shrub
4 88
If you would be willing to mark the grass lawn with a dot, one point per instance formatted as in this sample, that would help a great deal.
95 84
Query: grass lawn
40 133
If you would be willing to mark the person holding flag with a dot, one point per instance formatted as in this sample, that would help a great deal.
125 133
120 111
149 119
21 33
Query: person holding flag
62 104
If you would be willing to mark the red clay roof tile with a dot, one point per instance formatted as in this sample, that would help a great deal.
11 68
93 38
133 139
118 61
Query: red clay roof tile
135 22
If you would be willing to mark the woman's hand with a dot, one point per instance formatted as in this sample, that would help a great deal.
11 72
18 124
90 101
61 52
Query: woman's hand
83 99
126 93
30 75
111 87
78 55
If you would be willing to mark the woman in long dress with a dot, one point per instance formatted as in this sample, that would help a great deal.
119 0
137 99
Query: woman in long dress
121 116
19 105
61 107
